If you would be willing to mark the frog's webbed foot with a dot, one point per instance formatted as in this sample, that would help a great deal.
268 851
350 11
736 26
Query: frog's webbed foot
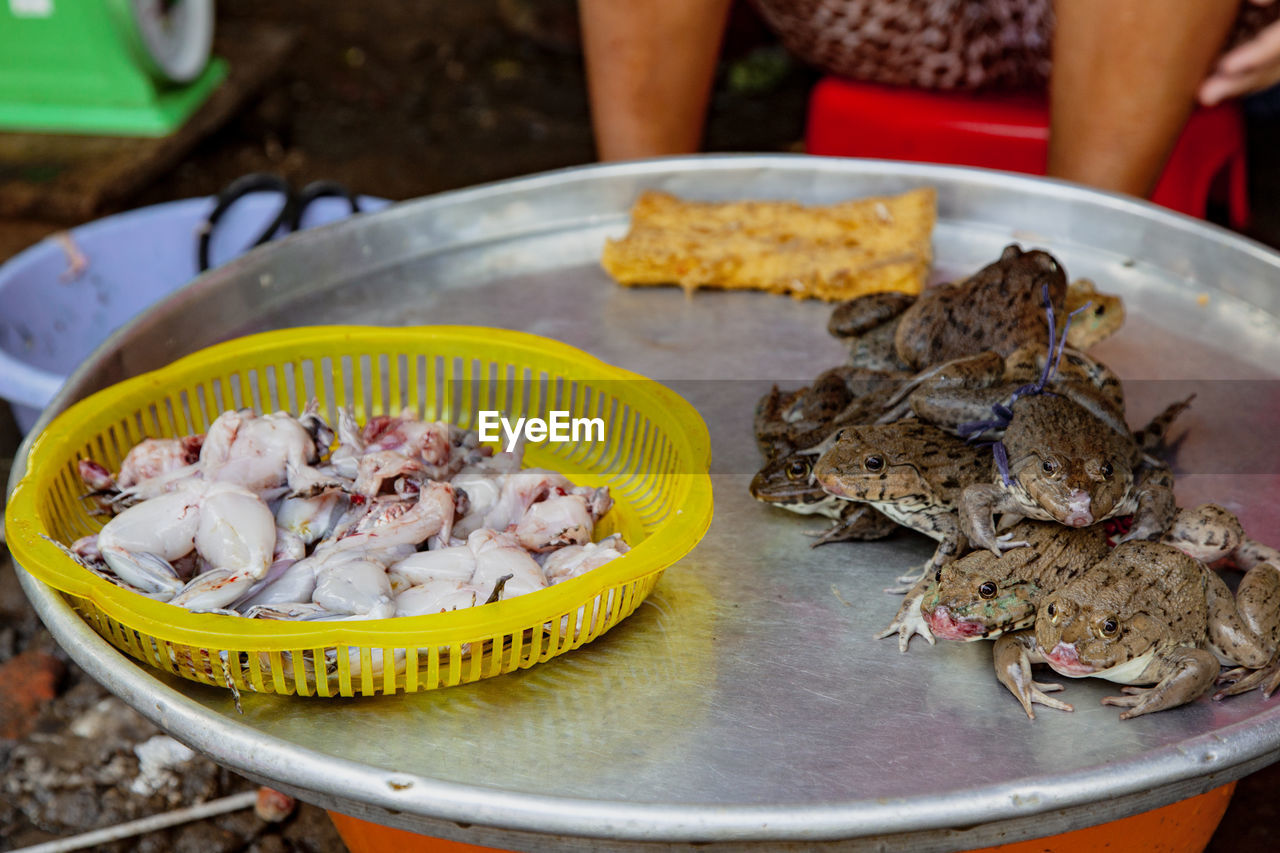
1189 674
906 582
1139 701
835 533
952 545
1242 680
910 620
859 522
1006 542
1036 692
1012 657
910 579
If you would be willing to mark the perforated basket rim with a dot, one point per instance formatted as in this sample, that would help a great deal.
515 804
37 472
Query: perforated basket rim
71 430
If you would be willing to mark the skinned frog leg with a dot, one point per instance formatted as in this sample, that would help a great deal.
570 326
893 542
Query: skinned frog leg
1184 675
1013 655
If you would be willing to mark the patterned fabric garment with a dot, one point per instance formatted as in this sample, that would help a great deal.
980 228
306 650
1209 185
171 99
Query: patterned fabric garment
937 44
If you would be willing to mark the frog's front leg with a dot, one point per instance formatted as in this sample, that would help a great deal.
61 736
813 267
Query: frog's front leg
1184 674
951 544
979 504
1013 656
1156 504
910 619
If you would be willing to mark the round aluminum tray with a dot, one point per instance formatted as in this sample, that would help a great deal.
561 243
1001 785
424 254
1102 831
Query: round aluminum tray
746 702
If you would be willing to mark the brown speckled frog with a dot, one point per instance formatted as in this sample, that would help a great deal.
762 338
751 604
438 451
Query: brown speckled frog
981 596
1149 614
787 421
956 394
912 472
1063 463
787 483
1001 308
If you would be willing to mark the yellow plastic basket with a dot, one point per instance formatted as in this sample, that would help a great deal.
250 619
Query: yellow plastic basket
654 458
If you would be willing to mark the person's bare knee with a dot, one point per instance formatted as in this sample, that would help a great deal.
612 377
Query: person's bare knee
1124 81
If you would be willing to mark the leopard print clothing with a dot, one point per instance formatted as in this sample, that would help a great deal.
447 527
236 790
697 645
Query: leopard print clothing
937 44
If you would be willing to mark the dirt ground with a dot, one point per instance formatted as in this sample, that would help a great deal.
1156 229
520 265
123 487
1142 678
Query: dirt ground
394 99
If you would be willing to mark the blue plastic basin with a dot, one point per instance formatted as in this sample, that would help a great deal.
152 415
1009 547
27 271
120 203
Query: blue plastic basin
52 318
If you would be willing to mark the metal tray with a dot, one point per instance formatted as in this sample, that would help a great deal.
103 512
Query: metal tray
746 703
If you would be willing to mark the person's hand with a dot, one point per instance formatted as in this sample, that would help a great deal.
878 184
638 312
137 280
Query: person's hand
1251 67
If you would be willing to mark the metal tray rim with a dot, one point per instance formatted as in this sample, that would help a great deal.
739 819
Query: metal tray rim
1208 755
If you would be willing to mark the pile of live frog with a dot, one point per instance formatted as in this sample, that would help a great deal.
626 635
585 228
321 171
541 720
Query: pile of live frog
971 413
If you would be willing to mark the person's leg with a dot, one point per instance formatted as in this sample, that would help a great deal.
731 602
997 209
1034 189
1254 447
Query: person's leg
1124 81
650 66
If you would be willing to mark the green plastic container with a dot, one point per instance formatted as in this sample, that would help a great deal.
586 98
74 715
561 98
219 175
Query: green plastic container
109 67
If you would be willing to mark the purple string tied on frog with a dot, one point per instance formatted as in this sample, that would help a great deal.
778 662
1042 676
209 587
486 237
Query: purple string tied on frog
1004 411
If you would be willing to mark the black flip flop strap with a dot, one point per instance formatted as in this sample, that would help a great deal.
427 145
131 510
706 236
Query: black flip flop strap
237 189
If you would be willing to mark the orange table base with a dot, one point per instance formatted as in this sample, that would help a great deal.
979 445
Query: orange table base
1181 827
361 836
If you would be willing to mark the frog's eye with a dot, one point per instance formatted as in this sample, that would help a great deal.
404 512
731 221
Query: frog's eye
1108 627
839 435
937 576
797 468
873 463
1048 466
987 590
1052 612
1107 470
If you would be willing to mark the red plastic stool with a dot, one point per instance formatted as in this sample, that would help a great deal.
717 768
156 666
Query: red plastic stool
1011 132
